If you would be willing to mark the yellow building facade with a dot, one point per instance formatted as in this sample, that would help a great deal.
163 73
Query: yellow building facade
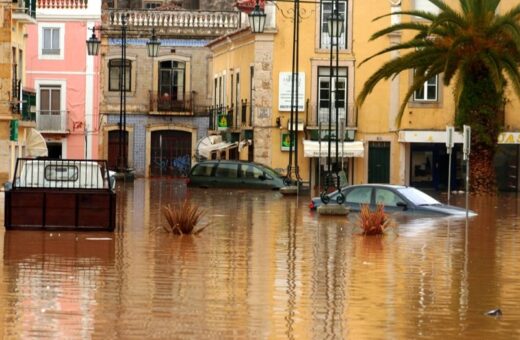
413 153
14 16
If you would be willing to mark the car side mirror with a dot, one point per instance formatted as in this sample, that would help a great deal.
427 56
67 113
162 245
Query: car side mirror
402 205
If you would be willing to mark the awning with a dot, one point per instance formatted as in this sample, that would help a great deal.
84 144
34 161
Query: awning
414 136
208 144
35 145
349 149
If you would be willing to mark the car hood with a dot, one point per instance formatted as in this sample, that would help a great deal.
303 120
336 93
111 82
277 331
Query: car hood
445 209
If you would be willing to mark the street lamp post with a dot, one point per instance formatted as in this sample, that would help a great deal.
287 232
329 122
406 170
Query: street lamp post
335 29
93 44
257 19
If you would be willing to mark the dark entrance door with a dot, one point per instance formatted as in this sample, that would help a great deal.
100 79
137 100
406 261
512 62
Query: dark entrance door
54 150
115 159
379 162
170 153
429 164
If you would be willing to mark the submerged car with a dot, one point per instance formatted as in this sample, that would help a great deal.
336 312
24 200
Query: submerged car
234 174
395 198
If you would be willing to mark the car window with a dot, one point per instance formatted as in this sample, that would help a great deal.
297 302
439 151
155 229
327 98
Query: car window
359 195
203 169
271 172
250 171
387 197
228 170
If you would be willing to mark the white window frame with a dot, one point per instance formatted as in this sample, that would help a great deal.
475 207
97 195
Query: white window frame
325 40
323 113
61 27
427 88
39 83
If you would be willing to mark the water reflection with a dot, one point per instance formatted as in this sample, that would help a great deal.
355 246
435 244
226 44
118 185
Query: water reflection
265 268
52 279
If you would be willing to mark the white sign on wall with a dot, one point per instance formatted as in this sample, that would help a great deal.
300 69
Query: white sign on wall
284 92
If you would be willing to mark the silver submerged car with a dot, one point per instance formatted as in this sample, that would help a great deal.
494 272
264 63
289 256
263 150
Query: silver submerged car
395 198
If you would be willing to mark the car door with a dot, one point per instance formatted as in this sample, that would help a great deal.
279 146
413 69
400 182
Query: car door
392 201
357 196
252 176
202 175
226 175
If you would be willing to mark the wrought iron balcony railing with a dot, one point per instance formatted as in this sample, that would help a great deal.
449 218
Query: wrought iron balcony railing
168 103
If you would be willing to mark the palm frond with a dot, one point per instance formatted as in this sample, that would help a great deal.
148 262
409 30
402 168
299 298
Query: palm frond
413 26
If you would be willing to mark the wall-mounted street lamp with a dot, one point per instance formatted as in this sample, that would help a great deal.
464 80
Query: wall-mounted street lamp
257 19
93 44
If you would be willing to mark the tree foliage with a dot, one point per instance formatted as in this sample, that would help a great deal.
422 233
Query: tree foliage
475 48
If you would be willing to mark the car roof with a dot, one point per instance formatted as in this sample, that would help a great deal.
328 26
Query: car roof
379 185
213 161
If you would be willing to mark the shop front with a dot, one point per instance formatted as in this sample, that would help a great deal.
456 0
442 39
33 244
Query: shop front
318 152
429 160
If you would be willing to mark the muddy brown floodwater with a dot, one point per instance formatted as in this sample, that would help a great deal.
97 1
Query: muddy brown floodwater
265 268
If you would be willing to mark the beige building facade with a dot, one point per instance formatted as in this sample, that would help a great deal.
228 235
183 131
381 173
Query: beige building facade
15 120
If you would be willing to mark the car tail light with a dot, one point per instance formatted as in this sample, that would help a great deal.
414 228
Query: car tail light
188 181
312 206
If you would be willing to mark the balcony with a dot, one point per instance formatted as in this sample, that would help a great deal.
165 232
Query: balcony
25 12
181 22
169 105
62 4
52 121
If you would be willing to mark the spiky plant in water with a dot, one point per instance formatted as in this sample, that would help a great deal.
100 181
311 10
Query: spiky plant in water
182 218
373 222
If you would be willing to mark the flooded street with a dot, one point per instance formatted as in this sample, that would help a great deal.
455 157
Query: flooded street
265 268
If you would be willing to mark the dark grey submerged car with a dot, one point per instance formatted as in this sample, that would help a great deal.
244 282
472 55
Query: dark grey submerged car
395 198
234 174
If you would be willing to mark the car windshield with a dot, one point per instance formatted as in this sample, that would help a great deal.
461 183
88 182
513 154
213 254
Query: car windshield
417 197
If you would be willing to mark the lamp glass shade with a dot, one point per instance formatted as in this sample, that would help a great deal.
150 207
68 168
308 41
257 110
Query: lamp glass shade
257 19
335 24
153 46
93 45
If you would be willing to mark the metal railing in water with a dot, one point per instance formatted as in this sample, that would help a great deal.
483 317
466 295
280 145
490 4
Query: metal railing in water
62 174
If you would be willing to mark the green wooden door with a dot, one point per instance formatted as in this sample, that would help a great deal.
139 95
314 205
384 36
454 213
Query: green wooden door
379 162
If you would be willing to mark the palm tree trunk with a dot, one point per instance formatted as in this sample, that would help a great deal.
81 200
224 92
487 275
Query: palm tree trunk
482 177
481 106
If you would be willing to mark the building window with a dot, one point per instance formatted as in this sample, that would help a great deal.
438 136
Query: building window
114 75
172 89
51 41
334 94
151 5
326 12
428 92
50 99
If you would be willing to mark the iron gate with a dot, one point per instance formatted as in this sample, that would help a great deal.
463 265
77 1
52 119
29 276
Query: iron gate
170 153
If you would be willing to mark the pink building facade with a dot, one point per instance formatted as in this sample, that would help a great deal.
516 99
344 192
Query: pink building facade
64 77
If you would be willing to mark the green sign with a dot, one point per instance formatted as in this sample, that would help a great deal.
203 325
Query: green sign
13 130
286 141
222 122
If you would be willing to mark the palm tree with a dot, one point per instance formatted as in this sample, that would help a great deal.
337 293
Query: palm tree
478 52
